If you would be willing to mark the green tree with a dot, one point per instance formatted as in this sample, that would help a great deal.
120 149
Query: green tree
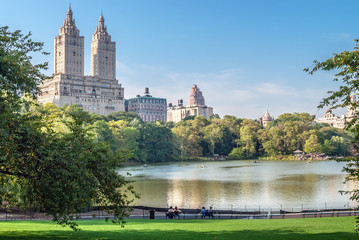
56 170
346 65
237 154
249 137
272 141
341 145
157 141
212 134
189 142
312 145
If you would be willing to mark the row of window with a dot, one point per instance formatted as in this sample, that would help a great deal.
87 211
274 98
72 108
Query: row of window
152 118
141 100
149 107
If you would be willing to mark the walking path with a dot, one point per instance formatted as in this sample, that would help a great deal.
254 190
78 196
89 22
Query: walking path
144 212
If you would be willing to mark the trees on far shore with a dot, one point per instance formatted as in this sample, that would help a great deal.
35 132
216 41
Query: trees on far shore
155 142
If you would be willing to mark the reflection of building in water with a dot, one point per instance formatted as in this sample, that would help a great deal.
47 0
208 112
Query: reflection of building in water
175 194
332 120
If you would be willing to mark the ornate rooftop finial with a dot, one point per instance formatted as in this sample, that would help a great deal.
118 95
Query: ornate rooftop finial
69 11
101 22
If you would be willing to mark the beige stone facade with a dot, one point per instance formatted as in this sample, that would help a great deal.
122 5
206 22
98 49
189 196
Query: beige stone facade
196 98
69 49
103 53
351 110
196 107
99 93
266 119
150 109
332 120
176 114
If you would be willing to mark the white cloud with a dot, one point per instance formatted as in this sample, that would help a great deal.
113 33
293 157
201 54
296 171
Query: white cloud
274 89
227 91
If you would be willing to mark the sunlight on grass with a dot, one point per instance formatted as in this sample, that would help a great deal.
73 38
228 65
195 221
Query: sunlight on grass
314 228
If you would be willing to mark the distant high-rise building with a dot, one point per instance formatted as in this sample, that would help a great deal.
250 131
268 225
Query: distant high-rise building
351 109
103 53
99 93
150 109
195 108
196 98
69 49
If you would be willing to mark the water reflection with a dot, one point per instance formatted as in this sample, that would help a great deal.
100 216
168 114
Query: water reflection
242 184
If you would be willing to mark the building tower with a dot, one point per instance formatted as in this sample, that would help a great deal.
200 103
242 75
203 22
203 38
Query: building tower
100 93
351 110
69 49
196 98
103 53
266 119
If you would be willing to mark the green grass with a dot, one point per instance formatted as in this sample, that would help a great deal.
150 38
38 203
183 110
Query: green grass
310 228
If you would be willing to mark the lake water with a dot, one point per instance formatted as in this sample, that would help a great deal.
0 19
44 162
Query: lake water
288 185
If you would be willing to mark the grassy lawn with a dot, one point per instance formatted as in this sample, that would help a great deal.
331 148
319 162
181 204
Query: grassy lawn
309 228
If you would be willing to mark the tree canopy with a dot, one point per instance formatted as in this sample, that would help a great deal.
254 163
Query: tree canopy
346 67
49 159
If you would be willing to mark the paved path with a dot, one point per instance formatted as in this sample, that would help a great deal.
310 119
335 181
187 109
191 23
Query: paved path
144 214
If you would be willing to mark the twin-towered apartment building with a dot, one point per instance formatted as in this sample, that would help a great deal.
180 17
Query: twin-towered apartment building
101 92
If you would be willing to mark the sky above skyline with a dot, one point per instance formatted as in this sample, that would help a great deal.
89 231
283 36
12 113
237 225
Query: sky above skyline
245 56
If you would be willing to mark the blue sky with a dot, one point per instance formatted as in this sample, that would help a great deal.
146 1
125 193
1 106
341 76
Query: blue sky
245 56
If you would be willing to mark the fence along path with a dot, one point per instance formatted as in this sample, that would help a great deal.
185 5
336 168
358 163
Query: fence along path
14 213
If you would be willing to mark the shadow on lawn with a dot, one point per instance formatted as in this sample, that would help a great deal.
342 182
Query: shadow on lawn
173 235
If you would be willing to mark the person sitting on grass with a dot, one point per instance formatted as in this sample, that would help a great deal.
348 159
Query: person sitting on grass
203 212
176 212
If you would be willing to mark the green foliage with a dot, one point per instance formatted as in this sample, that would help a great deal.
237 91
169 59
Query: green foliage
346 67
125 116
49 160
237 154
312 145
157 143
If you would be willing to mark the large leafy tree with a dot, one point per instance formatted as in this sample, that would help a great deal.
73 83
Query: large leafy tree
59 170
157 142
346 67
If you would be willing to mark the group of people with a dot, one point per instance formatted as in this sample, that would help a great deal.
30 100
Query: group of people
173 212
205 212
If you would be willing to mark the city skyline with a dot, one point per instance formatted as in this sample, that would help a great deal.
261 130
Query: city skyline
245 57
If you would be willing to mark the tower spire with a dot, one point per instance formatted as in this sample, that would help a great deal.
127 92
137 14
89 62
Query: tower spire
69 13
101 22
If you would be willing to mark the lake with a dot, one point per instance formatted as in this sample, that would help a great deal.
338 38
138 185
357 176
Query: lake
242 185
